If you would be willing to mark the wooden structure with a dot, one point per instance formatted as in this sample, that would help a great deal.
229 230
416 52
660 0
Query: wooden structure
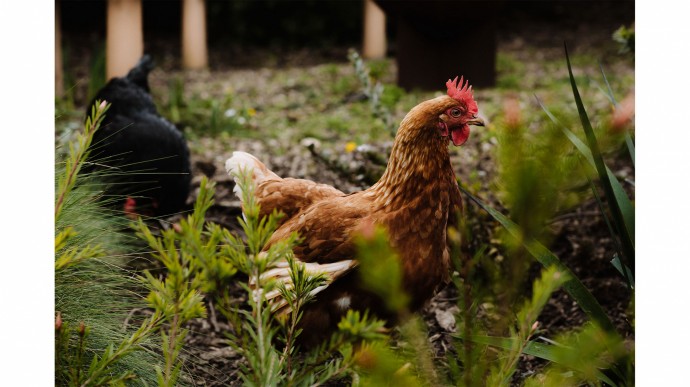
59 77
437 40
194 51
124 37
374 42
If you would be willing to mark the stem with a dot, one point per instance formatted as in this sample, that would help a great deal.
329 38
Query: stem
513 363
290 336
80 353
170 361
71 176
77 158
286 352
258 315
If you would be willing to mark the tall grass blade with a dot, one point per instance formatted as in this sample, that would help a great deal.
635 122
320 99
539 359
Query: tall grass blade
631 147
616 241
616 262
627 234
574 287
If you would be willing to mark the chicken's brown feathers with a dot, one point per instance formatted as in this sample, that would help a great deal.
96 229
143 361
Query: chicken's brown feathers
290 196
326 229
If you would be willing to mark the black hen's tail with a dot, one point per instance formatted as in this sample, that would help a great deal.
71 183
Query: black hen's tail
139 74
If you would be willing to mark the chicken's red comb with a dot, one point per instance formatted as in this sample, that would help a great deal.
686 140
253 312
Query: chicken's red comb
462 93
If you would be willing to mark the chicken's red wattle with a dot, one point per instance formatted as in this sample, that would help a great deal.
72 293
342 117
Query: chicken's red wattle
460 135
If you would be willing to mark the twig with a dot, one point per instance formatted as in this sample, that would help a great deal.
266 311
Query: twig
212 317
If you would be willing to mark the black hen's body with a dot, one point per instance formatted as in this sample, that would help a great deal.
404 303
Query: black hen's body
143 156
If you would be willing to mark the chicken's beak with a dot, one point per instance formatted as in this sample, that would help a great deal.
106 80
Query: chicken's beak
476 121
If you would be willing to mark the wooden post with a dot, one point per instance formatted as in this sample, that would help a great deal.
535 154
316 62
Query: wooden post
194 51
59 78
124 37
374 45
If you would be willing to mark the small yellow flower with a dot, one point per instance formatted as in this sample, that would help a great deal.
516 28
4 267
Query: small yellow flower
350 146
251 112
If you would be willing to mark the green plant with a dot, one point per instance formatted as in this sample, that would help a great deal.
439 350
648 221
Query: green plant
597 346
625 37
89 274
204 115
200 258
71 360
77 155
526 325
412 363
620 216
535 180
374 90
197 264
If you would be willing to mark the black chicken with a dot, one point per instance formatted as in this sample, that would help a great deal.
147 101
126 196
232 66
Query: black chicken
143 158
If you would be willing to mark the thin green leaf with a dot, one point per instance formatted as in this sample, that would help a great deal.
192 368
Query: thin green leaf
609 91
614 235
626 228
631 147
574 287
616 262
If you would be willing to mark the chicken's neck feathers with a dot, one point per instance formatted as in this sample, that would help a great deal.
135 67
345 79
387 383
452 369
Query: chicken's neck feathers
414 165
414 197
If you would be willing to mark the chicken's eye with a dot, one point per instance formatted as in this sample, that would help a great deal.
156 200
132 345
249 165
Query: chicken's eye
455 112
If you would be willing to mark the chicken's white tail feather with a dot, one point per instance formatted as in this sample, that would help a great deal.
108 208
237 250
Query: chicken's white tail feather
243 161
280 273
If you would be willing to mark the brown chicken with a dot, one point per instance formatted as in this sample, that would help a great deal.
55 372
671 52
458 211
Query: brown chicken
414 200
